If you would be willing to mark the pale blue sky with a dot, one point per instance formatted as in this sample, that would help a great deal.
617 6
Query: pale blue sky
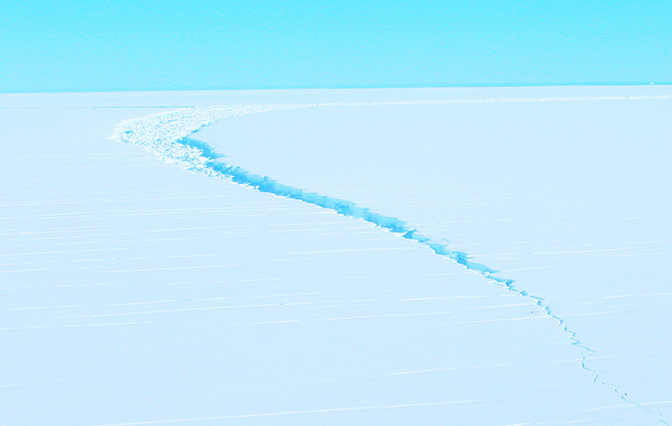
203 44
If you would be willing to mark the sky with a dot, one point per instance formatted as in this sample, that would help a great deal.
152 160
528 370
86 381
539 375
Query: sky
128 45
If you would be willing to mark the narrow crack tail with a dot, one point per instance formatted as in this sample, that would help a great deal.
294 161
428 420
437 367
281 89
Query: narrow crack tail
166 135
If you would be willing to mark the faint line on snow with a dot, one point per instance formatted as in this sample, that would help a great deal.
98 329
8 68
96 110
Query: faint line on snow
413 299
638 295
95 107
496 320
195 309
504 100
476 367
41 327
486 366
353 250
291 413
175 268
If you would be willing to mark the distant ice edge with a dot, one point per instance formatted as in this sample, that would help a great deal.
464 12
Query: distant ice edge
166 135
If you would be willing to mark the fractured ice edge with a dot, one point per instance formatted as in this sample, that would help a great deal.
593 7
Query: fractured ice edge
166 135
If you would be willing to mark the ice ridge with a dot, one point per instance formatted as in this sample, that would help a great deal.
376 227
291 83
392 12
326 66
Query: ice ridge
167 136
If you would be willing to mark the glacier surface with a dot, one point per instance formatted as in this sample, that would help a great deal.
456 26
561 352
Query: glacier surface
271 286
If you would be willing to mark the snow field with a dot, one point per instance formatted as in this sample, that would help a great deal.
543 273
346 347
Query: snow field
137 293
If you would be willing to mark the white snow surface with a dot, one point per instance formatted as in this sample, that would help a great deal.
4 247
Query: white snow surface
367 257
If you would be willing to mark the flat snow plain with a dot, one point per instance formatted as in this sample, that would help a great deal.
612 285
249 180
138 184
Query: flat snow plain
330 257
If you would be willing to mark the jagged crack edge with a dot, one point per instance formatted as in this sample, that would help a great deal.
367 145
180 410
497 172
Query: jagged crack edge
167 136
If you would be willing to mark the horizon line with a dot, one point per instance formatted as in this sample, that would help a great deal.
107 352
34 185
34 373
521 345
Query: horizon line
352 87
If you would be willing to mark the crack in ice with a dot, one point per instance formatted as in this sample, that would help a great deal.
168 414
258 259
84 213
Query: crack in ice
166 136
